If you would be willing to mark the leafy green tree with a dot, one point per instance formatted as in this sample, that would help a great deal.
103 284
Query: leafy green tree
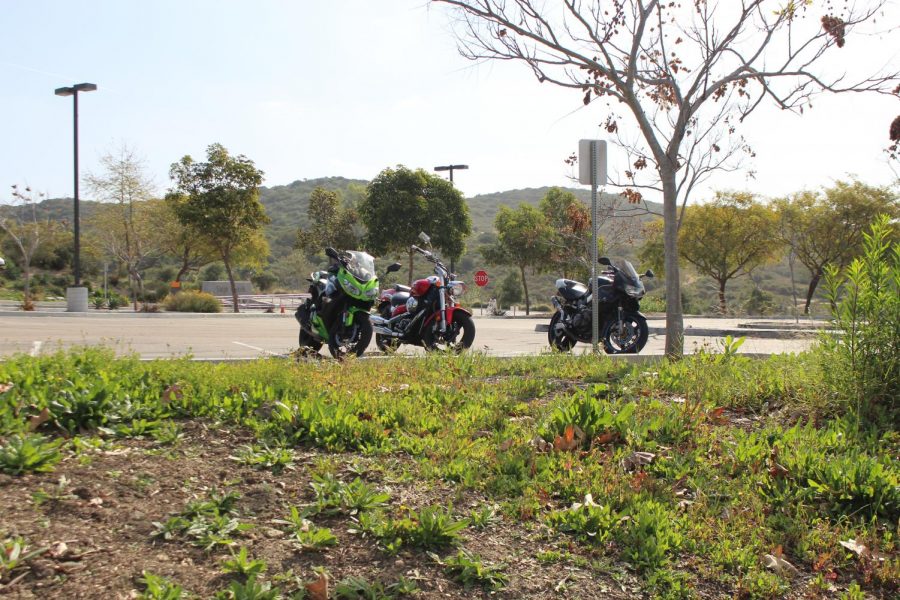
192 252
510 289
729 237
523 240
570 222
219 201
826 228
330 224
400 203
652 252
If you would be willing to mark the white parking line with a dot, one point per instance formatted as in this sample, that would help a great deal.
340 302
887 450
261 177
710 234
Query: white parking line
263 350
36 348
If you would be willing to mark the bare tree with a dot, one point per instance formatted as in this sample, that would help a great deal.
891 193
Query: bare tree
124 235
687 75
25 230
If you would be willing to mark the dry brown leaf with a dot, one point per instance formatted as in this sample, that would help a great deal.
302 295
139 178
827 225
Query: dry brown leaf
637 459
318 589
779 565
39 419
607 437
59 550
570 440
5 387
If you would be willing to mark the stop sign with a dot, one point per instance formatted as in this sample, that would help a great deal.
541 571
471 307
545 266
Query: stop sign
481 278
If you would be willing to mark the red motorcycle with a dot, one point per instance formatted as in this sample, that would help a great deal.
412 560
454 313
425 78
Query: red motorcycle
426 314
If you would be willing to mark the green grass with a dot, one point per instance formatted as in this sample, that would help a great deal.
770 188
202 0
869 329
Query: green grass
741 457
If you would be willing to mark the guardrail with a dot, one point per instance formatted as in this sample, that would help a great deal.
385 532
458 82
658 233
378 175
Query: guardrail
264 302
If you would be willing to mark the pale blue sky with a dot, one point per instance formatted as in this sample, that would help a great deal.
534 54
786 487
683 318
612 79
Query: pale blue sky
337 87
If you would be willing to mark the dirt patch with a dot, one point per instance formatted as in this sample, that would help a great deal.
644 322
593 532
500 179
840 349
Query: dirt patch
95 514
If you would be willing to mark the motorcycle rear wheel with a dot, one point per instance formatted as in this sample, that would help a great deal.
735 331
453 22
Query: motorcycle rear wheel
630 340
355 339
558 339
433 339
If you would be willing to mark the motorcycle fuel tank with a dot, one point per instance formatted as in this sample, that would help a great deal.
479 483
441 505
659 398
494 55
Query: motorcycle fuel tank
421 286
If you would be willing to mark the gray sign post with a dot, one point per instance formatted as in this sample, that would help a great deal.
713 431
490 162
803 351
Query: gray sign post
592 171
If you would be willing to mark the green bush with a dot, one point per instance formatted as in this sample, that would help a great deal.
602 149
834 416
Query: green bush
199 302
862 358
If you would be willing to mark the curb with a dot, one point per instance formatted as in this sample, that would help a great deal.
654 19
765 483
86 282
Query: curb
773 334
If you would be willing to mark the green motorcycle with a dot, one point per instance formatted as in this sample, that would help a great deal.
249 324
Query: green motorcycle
337 313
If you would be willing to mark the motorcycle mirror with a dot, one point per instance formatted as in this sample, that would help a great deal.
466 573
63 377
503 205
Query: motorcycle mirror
424 237
331 253
393 267
604 261
649 274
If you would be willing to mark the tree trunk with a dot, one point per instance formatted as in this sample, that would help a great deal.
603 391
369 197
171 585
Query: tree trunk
525 288
674 313
26 295
813 283
723 308
411 259
234 295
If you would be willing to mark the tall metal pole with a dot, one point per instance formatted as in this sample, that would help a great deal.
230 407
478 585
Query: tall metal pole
77 220
595 305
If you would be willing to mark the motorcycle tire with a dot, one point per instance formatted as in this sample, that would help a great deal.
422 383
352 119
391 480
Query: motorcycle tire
386 343
631 340
355 339
559 340
433 339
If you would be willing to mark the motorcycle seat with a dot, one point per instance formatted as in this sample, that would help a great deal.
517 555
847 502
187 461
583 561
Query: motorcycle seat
399 298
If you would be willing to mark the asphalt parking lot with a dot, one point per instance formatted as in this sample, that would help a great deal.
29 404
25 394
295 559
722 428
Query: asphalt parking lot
255 335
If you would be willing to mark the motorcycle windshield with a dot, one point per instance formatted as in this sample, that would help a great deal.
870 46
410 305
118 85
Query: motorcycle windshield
631 281
361 266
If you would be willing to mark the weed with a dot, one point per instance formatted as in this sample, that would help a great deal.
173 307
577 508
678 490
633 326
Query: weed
241 564
56 494
29 453
249 590
157 587
854 592
207 523
430 528
650 536
863 359
586 521
334 496
481 518
263 457
168 433
14 554
469 570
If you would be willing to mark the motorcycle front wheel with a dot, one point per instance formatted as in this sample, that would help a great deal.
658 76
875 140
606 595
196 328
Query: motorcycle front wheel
343 340
459 335
629 339
559 340
308 341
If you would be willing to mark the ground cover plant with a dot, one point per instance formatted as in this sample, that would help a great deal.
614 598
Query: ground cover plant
443 476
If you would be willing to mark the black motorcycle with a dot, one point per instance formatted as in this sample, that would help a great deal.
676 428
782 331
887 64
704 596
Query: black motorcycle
623 329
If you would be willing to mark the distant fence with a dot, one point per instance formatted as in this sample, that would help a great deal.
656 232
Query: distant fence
264 302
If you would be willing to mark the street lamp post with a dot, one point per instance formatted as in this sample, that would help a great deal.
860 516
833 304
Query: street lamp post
76 305
451 168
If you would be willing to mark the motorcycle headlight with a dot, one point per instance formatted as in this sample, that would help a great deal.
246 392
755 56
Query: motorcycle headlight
373 293
457 288
635 291
412 304
350 288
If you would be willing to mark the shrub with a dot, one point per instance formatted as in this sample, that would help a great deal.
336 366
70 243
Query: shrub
862 359
199 302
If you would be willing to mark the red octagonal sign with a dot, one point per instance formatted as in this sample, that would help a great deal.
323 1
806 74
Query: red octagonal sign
481 278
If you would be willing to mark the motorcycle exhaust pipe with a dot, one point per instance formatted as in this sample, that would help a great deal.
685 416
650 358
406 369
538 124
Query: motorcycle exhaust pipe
382 326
